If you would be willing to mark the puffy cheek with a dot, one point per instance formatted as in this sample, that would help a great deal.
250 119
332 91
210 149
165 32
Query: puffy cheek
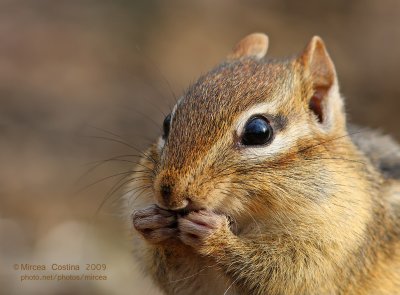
232 205
203 197
226 199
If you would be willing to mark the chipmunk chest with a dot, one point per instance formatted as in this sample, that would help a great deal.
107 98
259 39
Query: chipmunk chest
206 280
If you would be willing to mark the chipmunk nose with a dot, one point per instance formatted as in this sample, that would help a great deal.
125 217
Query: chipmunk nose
166 192
172 199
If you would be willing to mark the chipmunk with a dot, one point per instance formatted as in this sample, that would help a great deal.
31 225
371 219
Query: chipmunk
257 187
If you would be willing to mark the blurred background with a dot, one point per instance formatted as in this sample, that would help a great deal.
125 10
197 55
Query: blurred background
74 73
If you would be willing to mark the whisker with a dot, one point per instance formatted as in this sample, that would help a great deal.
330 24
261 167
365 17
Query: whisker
149 140
104 201
139 194
123 143
192 275
116 187
332 139
230 286
97 164
144 115
103 179
164 79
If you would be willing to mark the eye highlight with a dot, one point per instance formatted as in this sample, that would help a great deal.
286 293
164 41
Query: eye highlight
166 126
257 131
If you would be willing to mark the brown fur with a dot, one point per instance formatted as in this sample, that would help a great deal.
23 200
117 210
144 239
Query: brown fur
319 217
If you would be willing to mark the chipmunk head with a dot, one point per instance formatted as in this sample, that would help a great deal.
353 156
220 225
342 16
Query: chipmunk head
248 134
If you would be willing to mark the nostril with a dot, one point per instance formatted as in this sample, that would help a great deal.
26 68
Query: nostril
166 192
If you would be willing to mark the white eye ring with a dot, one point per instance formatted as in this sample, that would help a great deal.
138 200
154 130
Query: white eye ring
160 143
261 108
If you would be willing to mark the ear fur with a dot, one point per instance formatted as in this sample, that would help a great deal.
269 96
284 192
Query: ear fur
319 68
253 45
316 58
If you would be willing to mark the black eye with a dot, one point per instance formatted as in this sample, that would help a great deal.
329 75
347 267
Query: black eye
166 126
257 131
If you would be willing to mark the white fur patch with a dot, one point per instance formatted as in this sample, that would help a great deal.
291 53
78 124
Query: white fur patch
283 140
160 143
258 109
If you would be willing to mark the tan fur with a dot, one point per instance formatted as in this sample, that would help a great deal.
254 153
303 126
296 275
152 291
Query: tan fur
254 45
315 212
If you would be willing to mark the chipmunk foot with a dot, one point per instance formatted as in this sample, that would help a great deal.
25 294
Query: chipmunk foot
156 225
205 231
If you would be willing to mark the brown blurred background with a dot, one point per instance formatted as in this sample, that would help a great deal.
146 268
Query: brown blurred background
71 68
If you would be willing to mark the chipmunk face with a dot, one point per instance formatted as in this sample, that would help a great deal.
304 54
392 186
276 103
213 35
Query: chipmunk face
239 140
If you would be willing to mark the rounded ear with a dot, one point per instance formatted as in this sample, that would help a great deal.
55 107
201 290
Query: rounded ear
316 58
253 45
325 101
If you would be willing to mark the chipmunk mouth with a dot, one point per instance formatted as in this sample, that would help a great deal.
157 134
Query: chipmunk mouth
188 207
185 211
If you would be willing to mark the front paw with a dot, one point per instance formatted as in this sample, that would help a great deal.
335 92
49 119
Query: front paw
205 231
156 225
